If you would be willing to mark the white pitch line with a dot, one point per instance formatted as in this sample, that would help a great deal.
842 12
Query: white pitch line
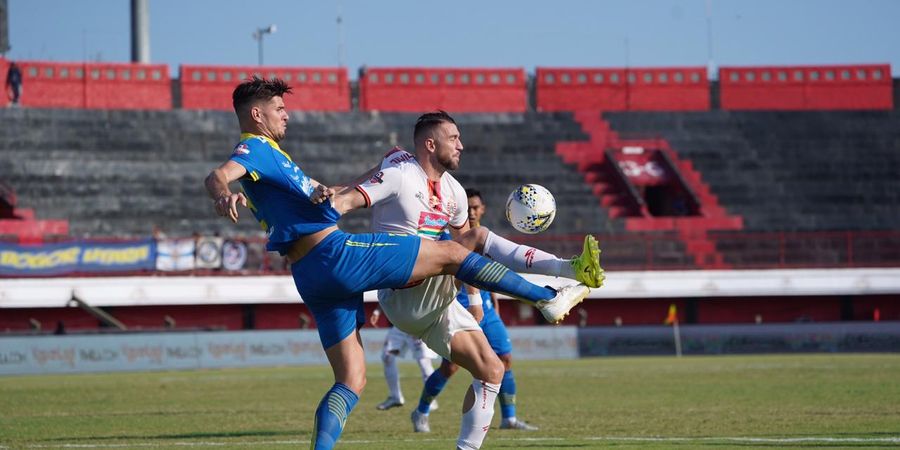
738 439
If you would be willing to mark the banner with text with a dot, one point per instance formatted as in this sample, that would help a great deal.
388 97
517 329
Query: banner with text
77 257
24 355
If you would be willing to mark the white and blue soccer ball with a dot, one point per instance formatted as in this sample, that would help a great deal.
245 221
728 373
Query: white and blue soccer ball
530 208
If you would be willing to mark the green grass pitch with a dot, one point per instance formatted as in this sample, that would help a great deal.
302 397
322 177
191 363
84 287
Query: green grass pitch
771 401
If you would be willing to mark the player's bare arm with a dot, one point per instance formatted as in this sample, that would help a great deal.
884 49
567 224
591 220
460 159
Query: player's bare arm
344 197
217 183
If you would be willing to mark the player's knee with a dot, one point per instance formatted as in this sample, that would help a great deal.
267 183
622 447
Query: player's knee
388 357
494 371
491 368
356 382
447 370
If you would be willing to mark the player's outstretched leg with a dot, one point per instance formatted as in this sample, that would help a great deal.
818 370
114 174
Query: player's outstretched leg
585 268
495 277
449 257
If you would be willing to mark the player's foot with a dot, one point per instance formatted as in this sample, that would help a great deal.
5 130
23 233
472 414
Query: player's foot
517 424
391 402
557 308
433 406
587 265
420 422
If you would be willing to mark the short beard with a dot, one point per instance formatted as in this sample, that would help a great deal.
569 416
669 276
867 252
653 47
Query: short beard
449 164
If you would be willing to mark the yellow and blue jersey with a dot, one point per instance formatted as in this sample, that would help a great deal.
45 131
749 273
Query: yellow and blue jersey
278 193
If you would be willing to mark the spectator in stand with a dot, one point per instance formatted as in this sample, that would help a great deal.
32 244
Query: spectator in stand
14 83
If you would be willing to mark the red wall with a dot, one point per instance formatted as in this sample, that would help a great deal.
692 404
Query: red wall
227 317
806 87
453 90
315 89
4 65
647 89
95 85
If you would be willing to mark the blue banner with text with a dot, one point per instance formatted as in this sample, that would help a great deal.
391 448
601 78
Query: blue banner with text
77 257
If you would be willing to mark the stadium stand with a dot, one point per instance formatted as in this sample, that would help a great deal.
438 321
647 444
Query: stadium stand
790 172
635 155
622 89
458 90
797 88
122 173
95 85
315 88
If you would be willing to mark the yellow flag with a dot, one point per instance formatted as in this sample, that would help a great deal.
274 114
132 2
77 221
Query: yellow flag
673 315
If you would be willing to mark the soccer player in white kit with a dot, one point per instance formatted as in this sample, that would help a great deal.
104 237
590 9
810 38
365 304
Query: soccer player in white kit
396 344
416 194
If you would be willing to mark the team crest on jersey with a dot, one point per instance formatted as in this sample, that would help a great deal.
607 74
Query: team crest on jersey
378 178
451 207
242 149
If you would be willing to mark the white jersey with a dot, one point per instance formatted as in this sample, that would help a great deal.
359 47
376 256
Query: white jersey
404 201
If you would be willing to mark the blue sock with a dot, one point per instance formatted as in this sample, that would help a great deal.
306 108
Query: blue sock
433 386
495 277
331 415
508 395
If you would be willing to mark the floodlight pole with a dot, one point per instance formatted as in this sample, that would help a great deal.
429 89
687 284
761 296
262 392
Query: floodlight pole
258 35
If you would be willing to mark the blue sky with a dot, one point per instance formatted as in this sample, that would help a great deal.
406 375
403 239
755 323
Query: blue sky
467 33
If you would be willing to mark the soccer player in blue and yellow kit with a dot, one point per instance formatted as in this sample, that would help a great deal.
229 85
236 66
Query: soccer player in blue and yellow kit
332 269
497 337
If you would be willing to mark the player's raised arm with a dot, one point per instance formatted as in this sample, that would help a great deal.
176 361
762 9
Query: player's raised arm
217 183
344 197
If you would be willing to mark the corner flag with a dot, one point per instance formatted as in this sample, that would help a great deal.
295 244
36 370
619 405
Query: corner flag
672 318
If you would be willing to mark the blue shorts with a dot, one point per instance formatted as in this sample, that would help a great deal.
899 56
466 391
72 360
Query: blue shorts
332 277
496 333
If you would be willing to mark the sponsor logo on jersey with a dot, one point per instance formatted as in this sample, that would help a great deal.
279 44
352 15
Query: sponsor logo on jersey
401 156
378 178
242 149
432 224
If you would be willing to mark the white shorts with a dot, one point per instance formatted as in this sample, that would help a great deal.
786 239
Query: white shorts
399 342
429 311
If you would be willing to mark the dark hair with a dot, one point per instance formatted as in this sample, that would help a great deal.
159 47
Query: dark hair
428 121
474 193
257 89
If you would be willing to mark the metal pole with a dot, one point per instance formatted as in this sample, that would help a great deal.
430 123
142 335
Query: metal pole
140 31
711 66
260 53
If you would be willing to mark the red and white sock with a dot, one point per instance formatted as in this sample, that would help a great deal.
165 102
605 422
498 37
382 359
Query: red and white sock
477 420
525 259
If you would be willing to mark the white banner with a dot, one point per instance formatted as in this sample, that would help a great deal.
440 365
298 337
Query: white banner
168 351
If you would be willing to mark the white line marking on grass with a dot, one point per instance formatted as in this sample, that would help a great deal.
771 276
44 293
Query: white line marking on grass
748 439
737 439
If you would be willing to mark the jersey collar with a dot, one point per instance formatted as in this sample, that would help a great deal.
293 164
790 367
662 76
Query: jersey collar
245 136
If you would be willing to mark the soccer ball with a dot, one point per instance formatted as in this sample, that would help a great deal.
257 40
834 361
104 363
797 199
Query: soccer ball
530 208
